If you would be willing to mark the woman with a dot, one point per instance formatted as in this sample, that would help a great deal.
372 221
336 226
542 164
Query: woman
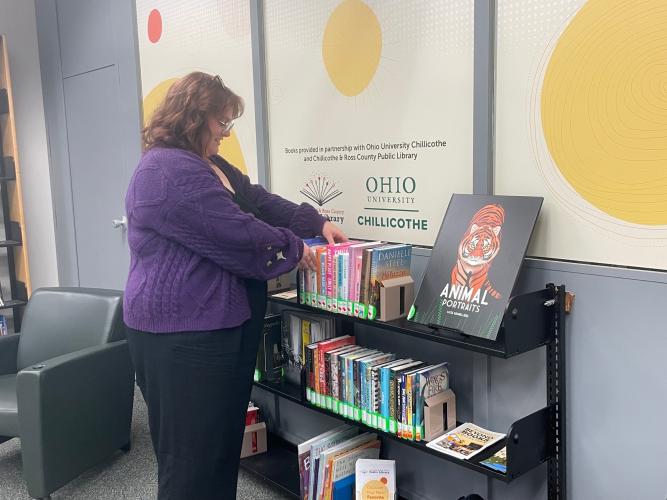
203 242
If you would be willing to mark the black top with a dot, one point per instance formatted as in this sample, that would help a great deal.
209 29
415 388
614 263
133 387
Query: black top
243 203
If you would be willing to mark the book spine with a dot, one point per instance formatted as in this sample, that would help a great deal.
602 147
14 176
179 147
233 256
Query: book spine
309 373
384 397
322 286
320 376
419 408
409 431
373 287
392 402
302 286
327 379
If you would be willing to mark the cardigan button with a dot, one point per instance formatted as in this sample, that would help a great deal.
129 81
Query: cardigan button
268 264
269 248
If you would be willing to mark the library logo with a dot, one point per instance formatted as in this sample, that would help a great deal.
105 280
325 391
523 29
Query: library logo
320 190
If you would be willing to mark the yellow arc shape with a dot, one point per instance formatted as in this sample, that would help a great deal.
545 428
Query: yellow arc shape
351 46
230 148
604 107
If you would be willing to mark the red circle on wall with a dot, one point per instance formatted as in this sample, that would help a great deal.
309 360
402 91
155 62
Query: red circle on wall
154 25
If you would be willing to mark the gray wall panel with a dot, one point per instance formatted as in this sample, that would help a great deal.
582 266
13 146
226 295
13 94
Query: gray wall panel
94 130
86 37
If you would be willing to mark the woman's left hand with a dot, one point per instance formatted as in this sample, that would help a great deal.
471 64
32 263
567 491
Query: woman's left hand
333 233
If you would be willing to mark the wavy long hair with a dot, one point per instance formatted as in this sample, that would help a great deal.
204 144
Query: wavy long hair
180 121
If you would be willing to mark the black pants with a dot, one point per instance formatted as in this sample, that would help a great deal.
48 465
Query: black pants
196 386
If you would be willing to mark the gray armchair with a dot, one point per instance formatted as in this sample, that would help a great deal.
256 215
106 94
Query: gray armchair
66 385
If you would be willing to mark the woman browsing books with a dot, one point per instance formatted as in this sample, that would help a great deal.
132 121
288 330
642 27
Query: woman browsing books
203 241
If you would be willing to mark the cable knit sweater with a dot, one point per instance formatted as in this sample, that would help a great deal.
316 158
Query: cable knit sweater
191 246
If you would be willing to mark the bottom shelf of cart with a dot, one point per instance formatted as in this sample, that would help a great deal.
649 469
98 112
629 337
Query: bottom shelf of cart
527 443
278 465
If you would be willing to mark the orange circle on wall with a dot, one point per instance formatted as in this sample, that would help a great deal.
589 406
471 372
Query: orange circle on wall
154 25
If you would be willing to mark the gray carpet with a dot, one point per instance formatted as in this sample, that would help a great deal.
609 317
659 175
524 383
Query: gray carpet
124 476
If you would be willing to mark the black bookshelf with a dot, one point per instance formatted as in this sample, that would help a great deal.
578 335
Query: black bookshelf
19 295
525 326
278 465
531 320
527 445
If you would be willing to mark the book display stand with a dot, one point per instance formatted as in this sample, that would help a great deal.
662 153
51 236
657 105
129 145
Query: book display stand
530 321
10 195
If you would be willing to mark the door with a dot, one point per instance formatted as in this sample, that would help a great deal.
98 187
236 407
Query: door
100 112
99 177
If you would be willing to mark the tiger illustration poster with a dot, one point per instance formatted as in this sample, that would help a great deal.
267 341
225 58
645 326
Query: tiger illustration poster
475 263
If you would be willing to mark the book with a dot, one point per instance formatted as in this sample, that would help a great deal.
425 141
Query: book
334 375
341 467
327 457
475 263
387 262
303 457
322 348
466 441
429 381
269 355
298 331
497 461
375 479
318 447
385 393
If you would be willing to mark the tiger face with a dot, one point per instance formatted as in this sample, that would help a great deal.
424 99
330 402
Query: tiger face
480 245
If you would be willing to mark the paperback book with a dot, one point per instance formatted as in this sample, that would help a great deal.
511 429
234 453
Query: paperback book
497 461
466 441
475 262
375 479
298 331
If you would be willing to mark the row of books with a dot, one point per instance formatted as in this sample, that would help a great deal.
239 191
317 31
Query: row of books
333 463
376 388
348 275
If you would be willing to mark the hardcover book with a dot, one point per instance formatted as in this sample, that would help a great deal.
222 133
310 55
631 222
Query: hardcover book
387 262
475 262
269 355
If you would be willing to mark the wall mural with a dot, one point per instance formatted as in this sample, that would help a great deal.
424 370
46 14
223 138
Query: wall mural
581 116
370 111
178 37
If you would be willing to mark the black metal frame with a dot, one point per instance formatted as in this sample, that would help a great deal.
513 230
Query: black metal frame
556 391
18 289
531 320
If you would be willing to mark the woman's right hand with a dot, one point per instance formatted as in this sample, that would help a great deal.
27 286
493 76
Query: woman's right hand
308 259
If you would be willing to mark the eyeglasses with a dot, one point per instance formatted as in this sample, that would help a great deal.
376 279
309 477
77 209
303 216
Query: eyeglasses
226 126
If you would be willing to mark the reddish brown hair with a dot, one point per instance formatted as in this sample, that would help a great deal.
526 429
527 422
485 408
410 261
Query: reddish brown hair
180 121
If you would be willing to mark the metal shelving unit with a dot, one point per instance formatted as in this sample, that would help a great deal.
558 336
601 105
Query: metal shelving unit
531 320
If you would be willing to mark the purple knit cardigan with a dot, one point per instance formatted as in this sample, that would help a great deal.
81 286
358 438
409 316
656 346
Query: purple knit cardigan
191 246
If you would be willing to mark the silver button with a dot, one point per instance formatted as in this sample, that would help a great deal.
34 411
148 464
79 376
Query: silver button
268 264
269 247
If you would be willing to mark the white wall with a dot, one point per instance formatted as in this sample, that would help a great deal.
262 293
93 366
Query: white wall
17 22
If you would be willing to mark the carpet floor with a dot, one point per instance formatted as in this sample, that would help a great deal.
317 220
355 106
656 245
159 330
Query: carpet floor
123 476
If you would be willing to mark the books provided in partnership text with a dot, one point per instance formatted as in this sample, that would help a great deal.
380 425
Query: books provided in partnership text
466 441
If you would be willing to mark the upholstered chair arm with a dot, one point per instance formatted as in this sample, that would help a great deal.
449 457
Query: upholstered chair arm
73 412
9 346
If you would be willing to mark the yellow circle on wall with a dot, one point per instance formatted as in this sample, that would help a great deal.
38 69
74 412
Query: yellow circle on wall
230 148
604 107
351 46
